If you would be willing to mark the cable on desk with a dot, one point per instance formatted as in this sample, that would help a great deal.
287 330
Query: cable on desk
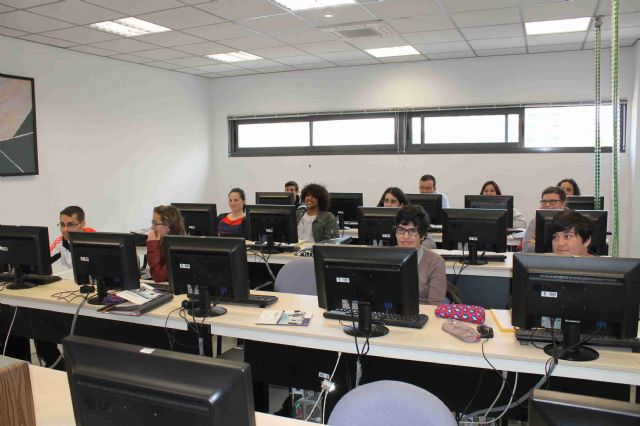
73 328
6 340
166 330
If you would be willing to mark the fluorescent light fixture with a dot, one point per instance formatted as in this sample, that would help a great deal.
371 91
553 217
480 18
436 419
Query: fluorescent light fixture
312 4
129 27
385 52
558 26
234 57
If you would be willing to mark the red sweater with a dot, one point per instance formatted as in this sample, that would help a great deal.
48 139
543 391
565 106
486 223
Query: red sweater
157 261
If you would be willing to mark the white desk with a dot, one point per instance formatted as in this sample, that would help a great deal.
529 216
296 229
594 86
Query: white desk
512 241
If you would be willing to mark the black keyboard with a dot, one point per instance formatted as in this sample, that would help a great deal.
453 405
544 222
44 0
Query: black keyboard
36 279
279 247
411 321
253 300
485 257
544 336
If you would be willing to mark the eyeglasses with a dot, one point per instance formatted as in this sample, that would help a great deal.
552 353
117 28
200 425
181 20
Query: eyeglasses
157 224
550 202
401 230
566 236
68 225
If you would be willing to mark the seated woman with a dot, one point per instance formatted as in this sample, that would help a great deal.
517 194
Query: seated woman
393 197
166 221
490 187
233 224
315 222
571 233
411 225
570 186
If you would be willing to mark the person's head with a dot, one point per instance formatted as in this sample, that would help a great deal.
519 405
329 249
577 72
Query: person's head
553 197
427 184
411 224
167 220
292 186
571 233
490 187
570 186
315 196
71 220
393 197
237 200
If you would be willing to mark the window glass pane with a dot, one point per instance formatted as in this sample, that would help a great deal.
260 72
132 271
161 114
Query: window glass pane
514 127
416 130
464 129
561 127
363 131
271 135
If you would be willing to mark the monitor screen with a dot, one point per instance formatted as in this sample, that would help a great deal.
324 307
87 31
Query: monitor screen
431 203
26 250
344 206
376 226
484 228
272 223
598 244
583 202
278 198
386 277
108 259
199 219
114 383
503 202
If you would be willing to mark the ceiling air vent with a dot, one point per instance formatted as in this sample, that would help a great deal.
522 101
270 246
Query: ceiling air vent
360 29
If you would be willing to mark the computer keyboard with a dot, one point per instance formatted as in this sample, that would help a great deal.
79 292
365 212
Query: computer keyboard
279 247
36 279
411 321
544 336
485 257
253 300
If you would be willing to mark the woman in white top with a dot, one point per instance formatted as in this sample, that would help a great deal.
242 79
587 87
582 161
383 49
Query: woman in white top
490 187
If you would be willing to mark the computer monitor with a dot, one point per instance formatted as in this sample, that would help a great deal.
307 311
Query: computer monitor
106 258
115 383
588 295
272 224
25 249
199 219
278 198
344 206
481 229
503 202
431 203
583 202
375 226
598 244
215 266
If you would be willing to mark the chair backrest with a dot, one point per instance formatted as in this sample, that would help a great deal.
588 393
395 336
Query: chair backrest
388 402
298 276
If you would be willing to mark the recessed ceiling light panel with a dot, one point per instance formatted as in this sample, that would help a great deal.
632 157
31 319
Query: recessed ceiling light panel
386 52
313 4
129 27
234 57
557 26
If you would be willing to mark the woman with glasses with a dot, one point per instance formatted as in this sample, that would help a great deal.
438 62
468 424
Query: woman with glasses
166 221
490 187
411 225
552 197
234 224
393 197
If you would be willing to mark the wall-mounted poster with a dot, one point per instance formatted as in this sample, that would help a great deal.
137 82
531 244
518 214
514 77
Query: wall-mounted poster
18 147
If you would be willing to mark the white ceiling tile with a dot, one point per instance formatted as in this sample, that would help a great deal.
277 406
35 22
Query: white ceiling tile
421 23
194 71
487 17
93 50
77 12
501 52
220 31
260 63
408 58
202 49
366 61
429 49
403 8
164 65
497 43
183 17
444 36
493 31
626 6
256 42
626 20
170 39
301 60
281 68
132 58
48 40
539 40
11 32
344 56
277 52
325 47
210 75
454 6
81 35
341 15
125 45
23 4
308 36
276 24
4 8
316 66
238 73
555 48
235 10
218 67
451 55
623 33
566 10
136 7
191 61
378 42
162 54
194 1
30 22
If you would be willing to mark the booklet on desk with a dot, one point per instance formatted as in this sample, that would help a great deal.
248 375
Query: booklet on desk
298 318
136 302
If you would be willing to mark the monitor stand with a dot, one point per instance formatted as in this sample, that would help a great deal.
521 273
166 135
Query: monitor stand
571 349
204 308
19 283
365 327
101 292
473 255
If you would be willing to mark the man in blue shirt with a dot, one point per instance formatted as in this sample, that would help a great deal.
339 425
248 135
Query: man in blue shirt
427 185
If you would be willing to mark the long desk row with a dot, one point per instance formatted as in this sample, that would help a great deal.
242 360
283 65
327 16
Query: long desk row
513 239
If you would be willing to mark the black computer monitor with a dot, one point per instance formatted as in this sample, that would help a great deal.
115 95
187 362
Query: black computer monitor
216 266
431 203
199 219
115 383
25 249
598 244
376 226
278 198
106 258
272 224
583 202
503 202
344 206
588 294
481 229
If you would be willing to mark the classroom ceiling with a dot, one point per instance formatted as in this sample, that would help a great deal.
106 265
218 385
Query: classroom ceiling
289 41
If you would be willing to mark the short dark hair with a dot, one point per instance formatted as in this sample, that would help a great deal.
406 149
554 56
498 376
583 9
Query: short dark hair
567 220
576 188
495 185
240 192
71 210
414 214
396 192
429 177
318 192
555 190
292 183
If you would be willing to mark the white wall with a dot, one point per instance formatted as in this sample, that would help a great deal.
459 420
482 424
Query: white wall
552 77
113 137
633 194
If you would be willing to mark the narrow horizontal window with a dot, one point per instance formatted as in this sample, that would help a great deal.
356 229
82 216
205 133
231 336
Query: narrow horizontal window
357 132
272 135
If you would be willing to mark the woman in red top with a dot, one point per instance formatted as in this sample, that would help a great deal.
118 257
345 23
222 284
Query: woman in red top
166 221
234 224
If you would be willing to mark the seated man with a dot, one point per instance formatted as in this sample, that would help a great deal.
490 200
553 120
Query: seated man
553 197
571 233
71 220
292 186
427 185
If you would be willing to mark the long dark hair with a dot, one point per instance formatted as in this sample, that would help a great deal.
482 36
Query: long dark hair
396 192
576 188
494 184
241 194
171 217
